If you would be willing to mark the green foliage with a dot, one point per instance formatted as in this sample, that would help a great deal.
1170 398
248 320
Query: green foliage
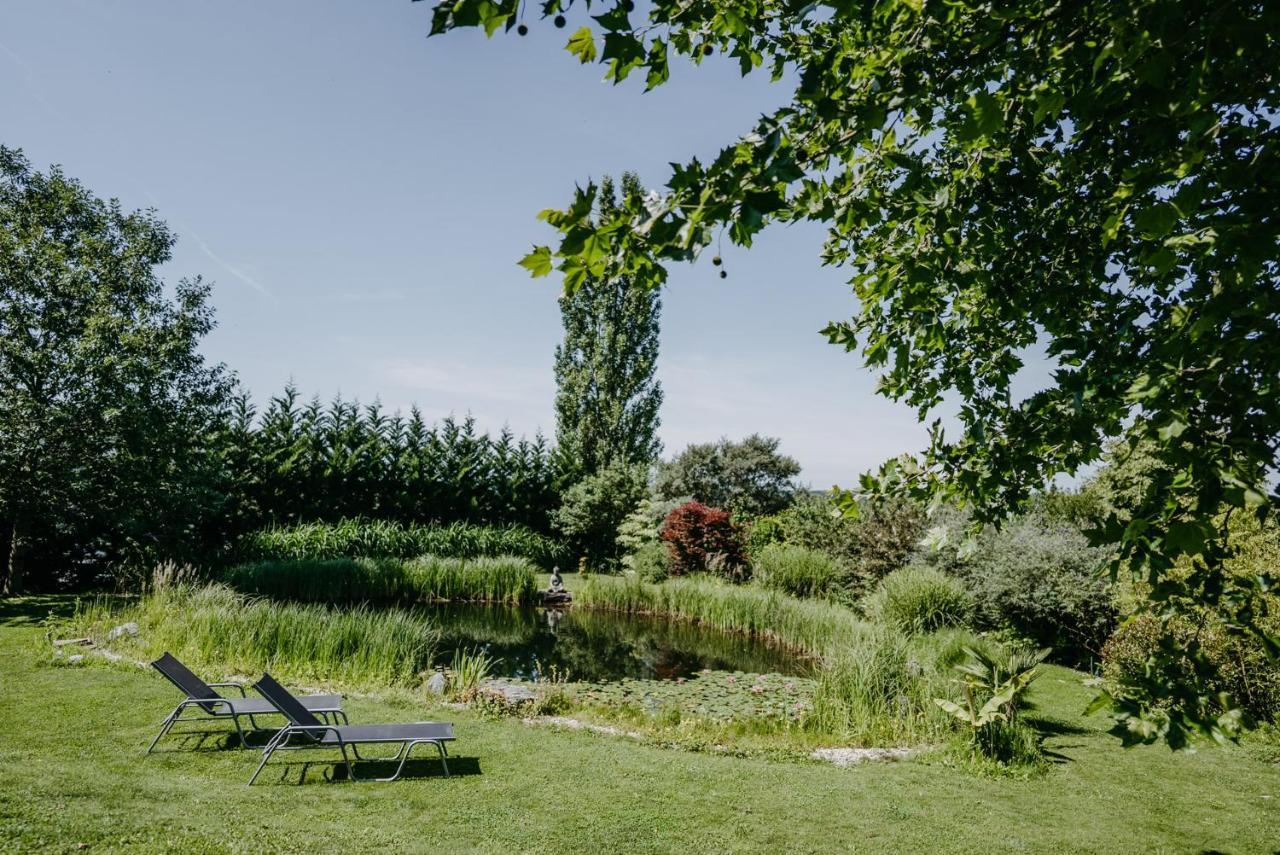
816 522
354 538
919 599
993 687
467 671
651 562
748 478
503 579
795 570
607 393
216 629
1240 667
106 402
595 508
1038 577
640 534
809 626
1101 185
303 461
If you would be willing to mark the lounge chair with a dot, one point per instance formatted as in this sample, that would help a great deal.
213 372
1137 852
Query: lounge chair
304 730
203 698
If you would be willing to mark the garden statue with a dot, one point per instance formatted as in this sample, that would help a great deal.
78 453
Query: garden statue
556 593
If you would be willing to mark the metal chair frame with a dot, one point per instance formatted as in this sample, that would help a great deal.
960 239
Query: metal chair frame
220 708
315 733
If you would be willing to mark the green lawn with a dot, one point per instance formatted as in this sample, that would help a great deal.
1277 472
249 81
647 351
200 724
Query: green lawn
72 742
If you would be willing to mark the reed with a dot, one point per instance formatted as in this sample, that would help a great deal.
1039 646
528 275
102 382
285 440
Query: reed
429 578
811 626
219 630
875 683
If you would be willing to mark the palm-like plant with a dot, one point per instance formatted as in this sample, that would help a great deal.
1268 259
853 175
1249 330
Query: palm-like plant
993 686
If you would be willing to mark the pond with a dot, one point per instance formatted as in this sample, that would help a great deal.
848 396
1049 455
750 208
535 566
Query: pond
601 646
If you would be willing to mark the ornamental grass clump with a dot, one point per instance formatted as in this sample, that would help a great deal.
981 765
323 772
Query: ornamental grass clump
218 630
795 570
919 599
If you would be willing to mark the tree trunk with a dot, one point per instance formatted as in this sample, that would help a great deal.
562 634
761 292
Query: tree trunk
14 570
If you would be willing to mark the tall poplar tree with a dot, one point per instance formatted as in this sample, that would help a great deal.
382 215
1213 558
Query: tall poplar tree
608 396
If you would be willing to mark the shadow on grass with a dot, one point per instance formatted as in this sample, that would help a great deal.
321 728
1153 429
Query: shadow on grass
196 741
335 771
17 611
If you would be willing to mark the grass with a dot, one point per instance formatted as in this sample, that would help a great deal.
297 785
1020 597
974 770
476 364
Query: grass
499 579
812 626
72 742
382 539
216 628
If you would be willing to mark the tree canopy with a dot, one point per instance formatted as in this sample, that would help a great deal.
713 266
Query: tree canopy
607 394
1095 178
105 400
748 478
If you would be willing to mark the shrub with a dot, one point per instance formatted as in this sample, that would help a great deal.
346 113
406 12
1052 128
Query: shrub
651 562
695 533
919 599
593 510
796 570
1240 665
354 538
642 528
429 578
762 532
816 522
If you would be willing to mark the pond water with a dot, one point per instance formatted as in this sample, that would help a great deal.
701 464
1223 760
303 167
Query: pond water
599 646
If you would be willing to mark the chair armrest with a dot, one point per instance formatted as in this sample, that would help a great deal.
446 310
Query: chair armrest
228 685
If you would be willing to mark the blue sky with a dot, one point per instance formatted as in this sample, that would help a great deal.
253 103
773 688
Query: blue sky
360 195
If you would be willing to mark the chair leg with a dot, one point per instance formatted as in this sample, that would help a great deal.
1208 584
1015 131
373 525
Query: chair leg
274 743
165 727
443 762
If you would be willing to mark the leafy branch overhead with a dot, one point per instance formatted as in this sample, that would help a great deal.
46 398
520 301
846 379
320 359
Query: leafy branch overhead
1096 179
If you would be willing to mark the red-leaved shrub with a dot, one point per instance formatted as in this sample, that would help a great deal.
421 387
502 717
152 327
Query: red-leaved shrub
703 538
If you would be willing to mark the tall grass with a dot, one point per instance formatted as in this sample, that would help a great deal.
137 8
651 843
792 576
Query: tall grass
917 598
811 626
502 579
216 629
795 570
353 538
876 683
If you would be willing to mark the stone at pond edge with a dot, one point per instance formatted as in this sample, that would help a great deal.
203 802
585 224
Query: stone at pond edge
121 630
854 756
556 598
437 684
513 693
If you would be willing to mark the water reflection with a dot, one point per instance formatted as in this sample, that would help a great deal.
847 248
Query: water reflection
598 646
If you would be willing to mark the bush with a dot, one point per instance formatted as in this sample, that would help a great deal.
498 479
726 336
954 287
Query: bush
795 570
429 578
919 599
354 538
1240 665
1039 578
651 562
695 533
593 510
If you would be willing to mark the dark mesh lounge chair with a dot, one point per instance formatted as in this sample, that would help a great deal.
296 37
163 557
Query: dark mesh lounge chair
203 699
304 730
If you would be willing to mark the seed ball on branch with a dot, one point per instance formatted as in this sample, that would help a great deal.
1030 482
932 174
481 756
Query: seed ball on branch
724 274
559 22
716 261
522 30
